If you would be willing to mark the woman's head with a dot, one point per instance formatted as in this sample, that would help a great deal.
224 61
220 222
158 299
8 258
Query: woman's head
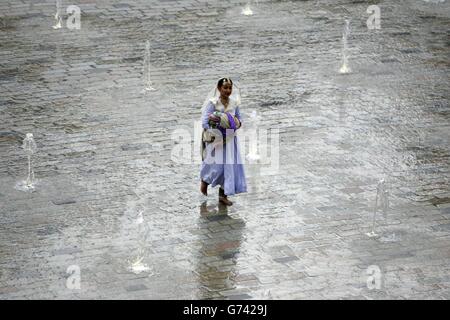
225 87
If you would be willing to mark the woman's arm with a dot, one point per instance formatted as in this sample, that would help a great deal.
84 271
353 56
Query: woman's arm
205 116
237 114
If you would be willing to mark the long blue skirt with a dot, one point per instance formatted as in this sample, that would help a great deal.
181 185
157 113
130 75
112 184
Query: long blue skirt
222 165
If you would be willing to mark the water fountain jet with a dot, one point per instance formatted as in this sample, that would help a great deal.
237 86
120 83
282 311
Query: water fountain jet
148 85
30 148
247 11
136 263
381 202
58 18
253 154
345 68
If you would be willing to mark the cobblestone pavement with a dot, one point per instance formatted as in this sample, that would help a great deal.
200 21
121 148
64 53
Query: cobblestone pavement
109 193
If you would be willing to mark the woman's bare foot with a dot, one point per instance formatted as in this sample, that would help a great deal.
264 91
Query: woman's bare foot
225 201
204 188
223 198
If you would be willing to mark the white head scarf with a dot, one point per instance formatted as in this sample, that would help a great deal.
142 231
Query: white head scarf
214 95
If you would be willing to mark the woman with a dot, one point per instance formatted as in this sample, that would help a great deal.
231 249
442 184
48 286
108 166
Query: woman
221 160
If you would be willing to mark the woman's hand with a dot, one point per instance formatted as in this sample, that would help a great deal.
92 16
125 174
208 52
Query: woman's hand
238 123
214 118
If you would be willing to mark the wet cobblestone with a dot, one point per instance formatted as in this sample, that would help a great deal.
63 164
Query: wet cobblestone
104 151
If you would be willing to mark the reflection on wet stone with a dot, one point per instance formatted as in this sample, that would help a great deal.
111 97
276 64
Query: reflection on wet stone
297 233
219 251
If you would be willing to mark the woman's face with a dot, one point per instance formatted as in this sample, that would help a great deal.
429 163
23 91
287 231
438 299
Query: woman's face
225 90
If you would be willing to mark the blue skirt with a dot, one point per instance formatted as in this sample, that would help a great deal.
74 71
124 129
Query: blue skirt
222 165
